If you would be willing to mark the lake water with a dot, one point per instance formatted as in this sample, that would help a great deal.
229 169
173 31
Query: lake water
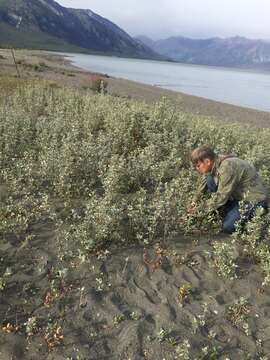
238 87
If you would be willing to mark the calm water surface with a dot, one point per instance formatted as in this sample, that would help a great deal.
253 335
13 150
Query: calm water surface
238 87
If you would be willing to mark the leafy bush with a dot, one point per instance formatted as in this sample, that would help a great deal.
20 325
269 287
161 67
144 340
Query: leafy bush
98 84
109 169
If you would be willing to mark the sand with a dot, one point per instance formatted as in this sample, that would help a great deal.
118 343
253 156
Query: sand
129 302
125 305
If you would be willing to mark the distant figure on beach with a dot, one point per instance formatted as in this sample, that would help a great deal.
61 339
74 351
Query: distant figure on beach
230 180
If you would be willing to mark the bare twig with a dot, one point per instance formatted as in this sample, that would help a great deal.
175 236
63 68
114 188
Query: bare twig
17 69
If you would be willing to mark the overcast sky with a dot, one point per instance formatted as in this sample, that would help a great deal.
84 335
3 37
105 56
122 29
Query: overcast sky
192 18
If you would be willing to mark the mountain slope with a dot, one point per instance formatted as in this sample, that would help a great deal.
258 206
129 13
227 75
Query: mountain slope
63 26
38 40
234 52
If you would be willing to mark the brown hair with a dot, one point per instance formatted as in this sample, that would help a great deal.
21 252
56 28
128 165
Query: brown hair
201 153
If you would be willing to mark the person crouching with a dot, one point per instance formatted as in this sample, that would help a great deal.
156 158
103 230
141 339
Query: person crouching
230 180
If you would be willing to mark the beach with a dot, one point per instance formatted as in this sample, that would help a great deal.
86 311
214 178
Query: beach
59 69
167 300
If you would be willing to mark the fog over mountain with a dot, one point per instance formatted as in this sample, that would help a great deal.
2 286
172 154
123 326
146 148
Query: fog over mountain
198 19
45 24
230 52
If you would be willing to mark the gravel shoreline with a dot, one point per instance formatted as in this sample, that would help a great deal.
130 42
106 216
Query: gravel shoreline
188 103
59 69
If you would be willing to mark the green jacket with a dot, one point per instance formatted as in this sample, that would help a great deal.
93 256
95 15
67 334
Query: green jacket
236 180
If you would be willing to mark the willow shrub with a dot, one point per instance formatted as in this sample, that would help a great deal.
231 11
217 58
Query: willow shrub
110 169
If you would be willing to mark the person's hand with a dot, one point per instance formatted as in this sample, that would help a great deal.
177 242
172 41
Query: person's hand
191 210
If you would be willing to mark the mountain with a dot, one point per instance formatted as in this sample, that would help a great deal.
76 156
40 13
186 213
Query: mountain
233 52
146 40
45 24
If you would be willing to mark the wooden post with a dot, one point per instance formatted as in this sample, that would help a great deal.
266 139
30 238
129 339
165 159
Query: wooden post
17 69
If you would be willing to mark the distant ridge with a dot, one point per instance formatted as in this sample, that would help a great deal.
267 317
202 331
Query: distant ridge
233 52
44 24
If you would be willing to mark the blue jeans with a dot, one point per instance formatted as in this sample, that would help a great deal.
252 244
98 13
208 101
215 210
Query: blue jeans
230 211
